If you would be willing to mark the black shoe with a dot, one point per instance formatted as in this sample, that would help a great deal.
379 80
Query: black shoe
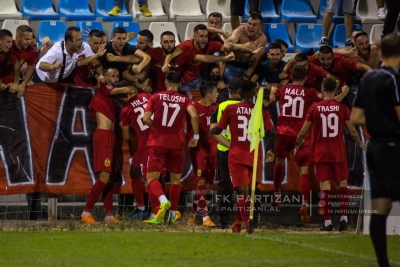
223 222
326 228
342 226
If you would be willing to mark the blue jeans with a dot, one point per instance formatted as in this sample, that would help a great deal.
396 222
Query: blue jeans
233 70
195 84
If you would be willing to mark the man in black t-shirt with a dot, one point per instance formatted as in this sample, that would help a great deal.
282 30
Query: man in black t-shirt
377 105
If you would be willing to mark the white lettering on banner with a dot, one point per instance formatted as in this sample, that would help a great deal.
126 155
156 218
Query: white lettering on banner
80 110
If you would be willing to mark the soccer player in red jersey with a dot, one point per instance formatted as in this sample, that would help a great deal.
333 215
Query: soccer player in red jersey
104 112
204 155
328 119
9 62
240 159
132 114
167 142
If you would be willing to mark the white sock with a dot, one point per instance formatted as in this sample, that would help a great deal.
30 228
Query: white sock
306 204
85 213
162 199
172 214
205 218
152 215
328 222
343 217
141 208
107 218
324 37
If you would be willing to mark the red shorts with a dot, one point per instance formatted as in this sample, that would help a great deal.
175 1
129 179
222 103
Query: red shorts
204 166
286 143
103 150
242 174
324 170
140 159
161 157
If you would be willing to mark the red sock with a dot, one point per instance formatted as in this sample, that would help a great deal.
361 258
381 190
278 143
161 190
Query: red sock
108 199
305 187
138 190
245 208
94 194
156 188
328 204
174 194
344 200
155 204
278 176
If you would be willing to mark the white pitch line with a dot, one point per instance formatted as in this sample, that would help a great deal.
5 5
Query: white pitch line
319 248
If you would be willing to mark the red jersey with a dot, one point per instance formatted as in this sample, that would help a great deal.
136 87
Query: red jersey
315 76
84 75
237 116
103 103
328 118
206 143
193 70
294 103
169 109
132 114
157 76
8 59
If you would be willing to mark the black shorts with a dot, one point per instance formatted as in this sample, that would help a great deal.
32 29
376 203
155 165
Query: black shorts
383 162
237 7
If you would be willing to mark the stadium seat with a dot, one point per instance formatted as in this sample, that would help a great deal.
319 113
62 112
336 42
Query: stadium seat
366 11
39 10
268 12
75 10
156 8
297 11
339 35
159 27
275 31
104 6
221 6
86 26
338 17
308 36
190 28
13 24
186 10
131 26
9 10
376 33
54 29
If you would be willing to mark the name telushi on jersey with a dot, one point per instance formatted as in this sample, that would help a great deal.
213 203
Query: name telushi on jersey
328 108
172 98
244 110
290 91
137 102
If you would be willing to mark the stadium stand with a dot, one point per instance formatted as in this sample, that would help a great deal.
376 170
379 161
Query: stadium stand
88 26
131 26
297 11
222 6
190 27
339 35
159 27
275 31
75 10
9 10
308 36
338 17
54 29
366 11
376 33
39 10
268 12
156 8
104 6
13 24
186 10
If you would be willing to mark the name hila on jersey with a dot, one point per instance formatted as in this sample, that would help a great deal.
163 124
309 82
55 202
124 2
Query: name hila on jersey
328 108
244 110
293 91
172 98
138 102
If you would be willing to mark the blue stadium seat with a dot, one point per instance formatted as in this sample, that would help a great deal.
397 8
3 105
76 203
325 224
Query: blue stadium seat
275 31
268 12
297 11
308 36
75 10
131 26
338 17
339 35
39 10
54 29
85 26
105 6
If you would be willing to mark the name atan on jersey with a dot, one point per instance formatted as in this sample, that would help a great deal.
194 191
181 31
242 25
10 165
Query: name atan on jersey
172 98
293 91
244 110
328 108
138 102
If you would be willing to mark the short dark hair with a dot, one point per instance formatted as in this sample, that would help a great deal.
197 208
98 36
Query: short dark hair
281 42
24 28
361 33
68 33
206 87
96 33
234 84
326 49
148 34
247 88
118 30
300 57
329 85
4 33
256 15
107 69
199 27
173 77
166 33
299 73
215 15
390 45
274 46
